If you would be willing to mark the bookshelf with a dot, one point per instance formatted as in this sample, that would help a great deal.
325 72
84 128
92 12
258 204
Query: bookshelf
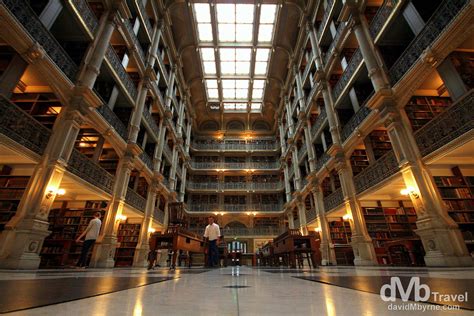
66 224
359 161
457 192
380 143
340 232
386 224
12 188
420 110
44 107
127 236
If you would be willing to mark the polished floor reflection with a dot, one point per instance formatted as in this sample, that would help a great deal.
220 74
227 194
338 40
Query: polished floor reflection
226 291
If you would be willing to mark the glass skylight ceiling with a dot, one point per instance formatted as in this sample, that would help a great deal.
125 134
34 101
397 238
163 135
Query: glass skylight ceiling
235 63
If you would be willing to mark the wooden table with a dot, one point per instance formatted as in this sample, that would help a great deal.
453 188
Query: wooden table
176 239
291 245
267 254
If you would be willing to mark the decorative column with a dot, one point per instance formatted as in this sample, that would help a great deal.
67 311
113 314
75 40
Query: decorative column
104 251
161 144
182 189
372 60
299 89
142 249
144 87
301 213
361 242
188 137
287 181
289 117
442 240
174 165
296 166
282 136
333 120
328 255
291 221
309 146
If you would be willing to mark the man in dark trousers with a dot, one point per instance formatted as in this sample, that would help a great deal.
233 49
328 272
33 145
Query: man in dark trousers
212 233
91 233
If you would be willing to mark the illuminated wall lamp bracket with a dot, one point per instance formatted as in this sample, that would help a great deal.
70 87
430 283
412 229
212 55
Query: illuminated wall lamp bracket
410 191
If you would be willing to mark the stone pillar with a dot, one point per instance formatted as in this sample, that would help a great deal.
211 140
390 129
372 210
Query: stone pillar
291 221
161 144
289 117
22 239
440 235
182 189
140 256
287 182
328 255
104 251
188 137
144 87
302 214
361 242
372 60
174 165
170 91
282 136
309 146
299 89
296 168
333 120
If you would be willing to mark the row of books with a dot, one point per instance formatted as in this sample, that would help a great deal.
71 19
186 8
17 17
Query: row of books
463 193
463 217
459 205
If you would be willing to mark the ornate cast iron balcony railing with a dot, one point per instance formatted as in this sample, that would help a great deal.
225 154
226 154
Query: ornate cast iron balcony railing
244 231
235 146
334 41
90 171
442 17
159 215
122 74
235 208
354 122
325 18
310 214
347 74
381 16
135 200
333 200
321 161
235 185
319 122
151 123
383 168
86 14
30 21
147 160
235 165
144 15
457 120
134 38
22 128
113 120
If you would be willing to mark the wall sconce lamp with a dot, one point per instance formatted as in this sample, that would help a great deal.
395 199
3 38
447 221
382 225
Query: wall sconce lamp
248 213
317 229
254 213
151 230
121 218
221 213
410 191
347 217
53 191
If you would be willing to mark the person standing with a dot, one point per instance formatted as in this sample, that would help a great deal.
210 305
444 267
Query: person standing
212 233
91 233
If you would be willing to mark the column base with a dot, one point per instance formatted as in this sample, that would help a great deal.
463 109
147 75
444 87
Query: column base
364 252
20 246
104 253
140 257
328 255
443 244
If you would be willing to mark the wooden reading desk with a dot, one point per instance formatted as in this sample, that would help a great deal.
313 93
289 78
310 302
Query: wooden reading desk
291 245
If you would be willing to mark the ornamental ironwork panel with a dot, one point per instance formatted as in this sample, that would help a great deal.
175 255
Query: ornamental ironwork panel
325 18
333 200
322 160
159 215
22 128
310 214
151 122
355 61
383 168
334 42
457 120
89 171
136 43
354 122
113 120
135 200
146 160
445 13
381 16
319 121
123 75
141 7
30 21
86 14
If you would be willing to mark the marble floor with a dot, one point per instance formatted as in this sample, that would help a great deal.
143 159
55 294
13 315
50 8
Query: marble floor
228 291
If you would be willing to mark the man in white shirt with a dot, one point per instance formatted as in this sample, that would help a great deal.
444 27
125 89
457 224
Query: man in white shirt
91 233
212 233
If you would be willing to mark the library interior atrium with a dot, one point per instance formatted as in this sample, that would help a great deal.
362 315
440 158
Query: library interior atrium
331 141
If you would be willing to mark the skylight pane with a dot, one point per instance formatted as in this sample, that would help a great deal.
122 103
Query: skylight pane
242 68
263 54
228 94
202 13
260 68
207 54
257 94
213 93
258 84
241 93
228 84
265 32
241 106
243 54
209 67
227 54
226 32
205 32
228 67
267 13
244 32
256 107
244 13
225 13
211 83
241 84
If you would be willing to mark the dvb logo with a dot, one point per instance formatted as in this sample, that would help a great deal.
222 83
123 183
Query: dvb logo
421 291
